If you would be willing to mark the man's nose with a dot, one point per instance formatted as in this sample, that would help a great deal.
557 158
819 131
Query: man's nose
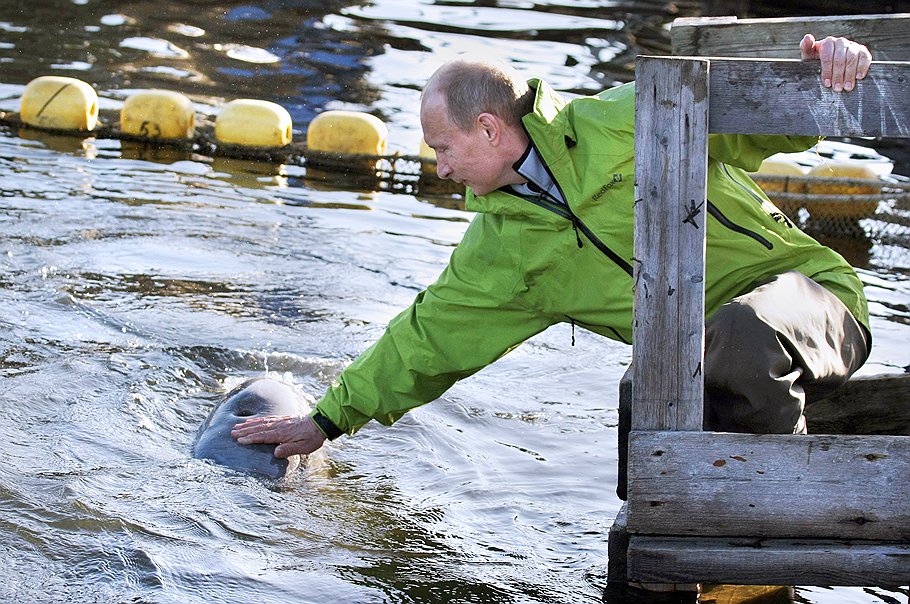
443 170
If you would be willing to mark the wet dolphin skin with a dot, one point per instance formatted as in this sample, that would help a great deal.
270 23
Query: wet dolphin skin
256 397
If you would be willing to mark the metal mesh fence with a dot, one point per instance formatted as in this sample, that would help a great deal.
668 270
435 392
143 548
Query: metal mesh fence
842 206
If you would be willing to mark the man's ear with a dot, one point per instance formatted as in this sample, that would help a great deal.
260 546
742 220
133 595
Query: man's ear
491 127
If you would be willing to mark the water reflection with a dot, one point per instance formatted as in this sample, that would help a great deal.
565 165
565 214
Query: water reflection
62 143
706 594
157 153
250 174
226 49
139 284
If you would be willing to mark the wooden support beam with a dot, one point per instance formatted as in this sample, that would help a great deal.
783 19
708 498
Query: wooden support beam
769 485
885 35
671 154
622 438
869 404
786 97
877 404
617 548
761 561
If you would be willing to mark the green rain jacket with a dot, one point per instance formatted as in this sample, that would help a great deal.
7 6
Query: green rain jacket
525 264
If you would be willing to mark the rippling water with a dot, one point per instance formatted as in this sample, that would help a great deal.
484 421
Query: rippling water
136 292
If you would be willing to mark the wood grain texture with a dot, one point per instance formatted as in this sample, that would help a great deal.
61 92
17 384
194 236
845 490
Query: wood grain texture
786 97
617 548
764 561
671 181
885 35
769 486
808 510
877 404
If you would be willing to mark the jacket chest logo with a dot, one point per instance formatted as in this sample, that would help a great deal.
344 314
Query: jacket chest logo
617 178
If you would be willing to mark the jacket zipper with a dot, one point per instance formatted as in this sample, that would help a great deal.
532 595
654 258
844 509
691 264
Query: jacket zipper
566 212
578 225
563 211
721 218
778 216
741 185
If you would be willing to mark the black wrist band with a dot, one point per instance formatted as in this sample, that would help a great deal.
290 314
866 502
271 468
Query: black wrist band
328 428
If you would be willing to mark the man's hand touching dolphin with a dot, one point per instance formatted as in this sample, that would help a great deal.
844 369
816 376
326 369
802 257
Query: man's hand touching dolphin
295 435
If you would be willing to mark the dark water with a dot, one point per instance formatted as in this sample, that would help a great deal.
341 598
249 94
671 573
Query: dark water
136 292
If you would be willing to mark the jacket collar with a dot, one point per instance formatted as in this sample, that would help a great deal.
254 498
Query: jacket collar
545 126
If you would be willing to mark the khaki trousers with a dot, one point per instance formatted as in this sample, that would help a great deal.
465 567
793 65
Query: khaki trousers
774 350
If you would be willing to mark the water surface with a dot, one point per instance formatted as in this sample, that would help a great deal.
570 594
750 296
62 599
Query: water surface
137 289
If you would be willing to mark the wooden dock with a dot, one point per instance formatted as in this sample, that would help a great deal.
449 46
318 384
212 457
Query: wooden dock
818 509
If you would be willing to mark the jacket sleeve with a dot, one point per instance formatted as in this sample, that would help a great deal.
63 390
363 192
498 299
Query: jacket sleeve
467 319
747 151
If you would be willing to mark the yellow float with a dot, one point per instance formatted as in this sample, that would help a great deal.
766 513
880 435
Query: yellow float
158 115
59 103
840 209
782 166
253 123
353 132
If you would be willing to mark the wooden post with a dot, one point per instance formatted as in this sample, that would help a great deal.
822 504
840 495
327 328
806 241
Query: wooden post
671 154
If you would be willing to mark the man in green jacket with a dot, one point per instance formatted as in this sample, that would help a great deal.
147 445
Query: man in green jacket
552 182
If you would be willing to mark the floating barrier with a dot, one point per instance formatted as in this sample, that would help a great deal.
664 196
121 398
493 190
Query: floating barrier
848 170
347 149
158 115
343 135
59 103
253 123
347 132
834 194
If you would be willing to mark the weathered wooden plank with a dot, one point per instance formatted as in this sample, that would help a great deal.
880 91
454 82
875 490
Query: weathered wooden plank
617 548
786 97
877 404
874 404
622 437
759 562
671 181
786 486
885 35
